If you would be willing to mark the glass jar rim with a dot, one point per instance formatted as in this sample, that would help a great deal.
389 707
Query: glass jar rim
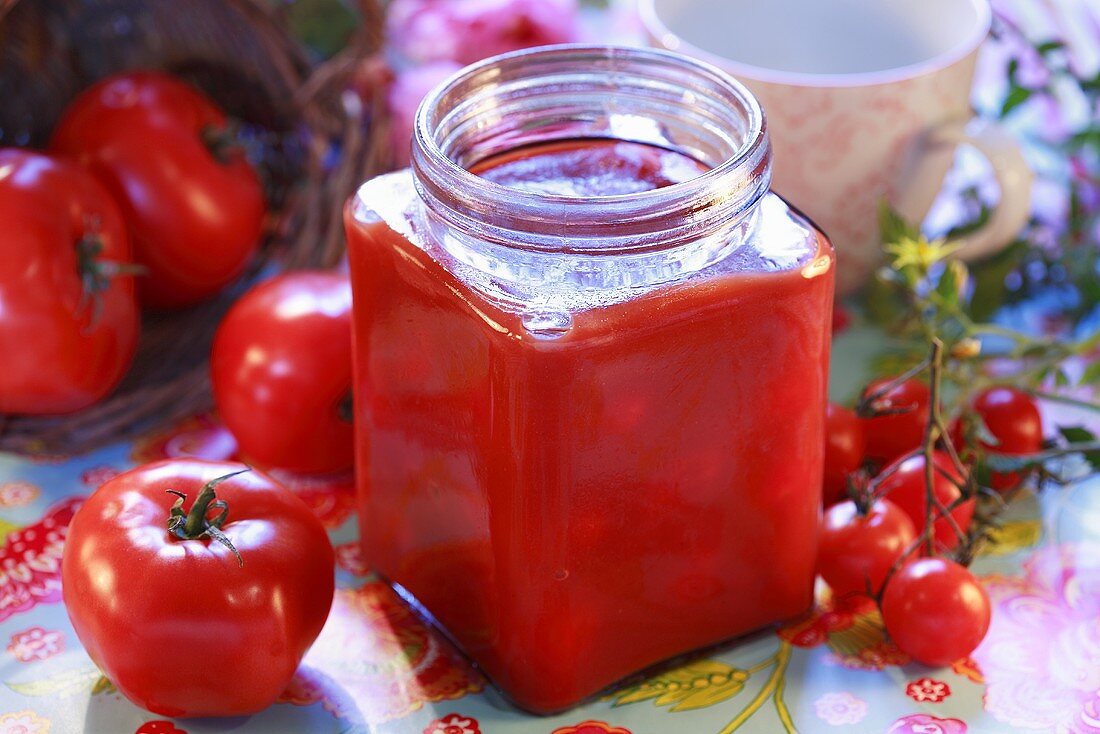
739 180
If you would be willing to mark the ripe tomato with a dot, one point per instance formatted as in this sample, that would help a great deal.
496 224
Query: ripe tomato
195 220
891 436
68 320
1012 417
845 444
906 489
179 625
281 367
855 549
935 610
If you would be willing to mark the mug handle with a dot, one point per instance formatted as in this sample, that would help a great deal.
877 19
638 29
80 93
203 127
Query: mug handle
1011 170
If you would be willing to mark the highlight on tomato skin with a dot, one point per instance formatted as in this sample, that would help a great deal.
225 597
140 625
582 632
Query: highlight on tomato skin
281 369
935 610
69 320
197 586
856 551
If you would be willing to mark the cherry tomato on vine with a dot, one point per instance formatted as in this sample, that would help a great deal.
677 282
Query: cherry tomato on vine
891 436
856 549
68 317
281 368
905 487
197 586
1013 418
195 220
935 610
845 444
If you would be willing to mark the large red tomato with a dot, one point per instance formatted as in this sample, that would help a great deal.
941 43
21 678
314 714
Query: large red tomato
68 319
185 624
195 219
281 367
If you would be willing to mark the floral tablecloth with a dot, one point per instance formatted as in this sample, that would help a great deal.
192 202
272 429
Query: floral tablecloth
378 668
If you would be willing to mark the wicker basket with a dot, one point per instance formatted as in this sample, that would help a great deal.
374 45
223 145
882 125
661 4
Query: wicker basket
319 142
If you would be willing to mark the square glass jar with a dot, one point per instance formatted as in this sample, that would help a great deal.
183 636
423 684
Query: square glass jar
589 422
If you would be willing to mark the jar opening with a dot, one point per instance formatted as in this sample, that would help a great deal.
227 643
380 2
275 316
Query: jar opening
574 92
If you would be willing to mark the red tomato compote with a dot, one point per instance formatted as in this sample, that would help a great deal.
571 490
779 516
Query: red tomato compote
590 375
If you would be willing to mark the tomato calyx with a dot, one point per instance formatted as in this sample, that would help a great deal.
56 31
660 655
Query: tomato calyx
194 524
223 141
95 272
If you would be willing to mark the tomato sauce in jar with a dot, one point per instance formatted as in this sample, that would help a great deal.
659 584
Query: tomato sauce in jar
591 357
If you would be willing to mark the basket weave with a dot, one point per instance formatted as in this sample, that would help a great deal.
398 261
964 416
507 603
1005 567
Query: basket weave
319 142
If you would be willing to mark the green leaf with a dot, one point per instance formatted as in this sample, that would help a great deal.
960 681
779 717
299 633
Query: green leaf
989 277
1016 97
1080 434
952 282
1076 434
1048 46
1091 375
893 226
1012 536
1061 379
1006 463
883 303
103 685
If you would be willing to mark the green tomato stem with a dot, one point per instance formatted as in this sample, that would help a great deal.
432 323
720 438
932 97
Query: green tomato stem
194 523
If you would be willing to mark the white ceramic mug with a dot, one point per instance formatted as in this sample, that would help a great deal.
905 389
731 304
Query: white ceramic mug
865 100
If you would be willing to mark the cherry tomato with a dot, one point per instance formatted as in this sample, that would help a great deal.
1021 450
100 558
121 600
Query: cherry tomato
935 610
181 623
281 367
855 549
845 444
1012 417
891 436
195 220
68 320
905 487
